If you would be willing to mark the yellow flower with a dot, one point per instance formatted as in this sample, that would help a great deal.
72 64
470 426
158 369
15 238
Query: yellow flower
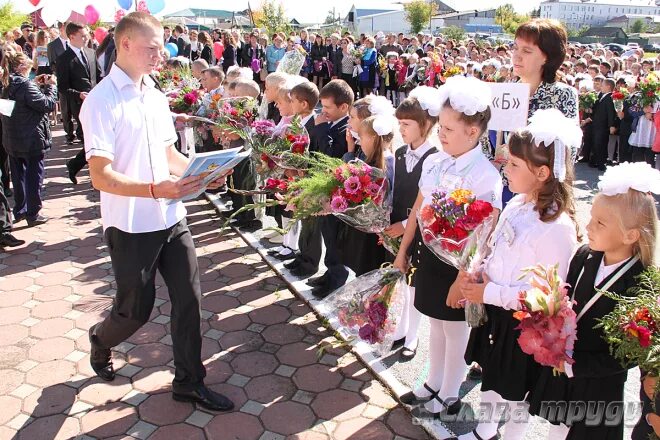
461 196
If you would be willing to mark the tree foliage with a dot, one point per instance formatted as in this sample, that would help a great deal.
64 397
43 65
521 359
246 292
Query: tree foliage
573 33
10 18
418 14
637 26
453 33
509 19
271 17
330 17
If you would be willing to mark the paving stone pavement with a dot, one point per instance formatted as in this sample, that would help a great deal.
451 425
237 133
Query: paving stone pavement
260 342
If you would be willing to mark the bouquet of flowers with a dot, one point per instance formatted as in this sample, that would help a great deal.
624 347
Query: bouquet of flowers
185 100
369 307
290 148
649 88
292 62
587 100
357 54
547 320
618 97
631 329
451 71
455 227
176 78
234 114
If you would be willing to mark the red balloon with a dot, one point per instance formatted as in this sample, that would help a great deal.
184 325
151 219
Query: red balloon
35 2
99 34
218 49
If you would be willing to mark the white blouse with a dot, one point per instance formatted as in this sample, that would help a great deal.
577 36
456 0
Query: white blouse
521 240
471 171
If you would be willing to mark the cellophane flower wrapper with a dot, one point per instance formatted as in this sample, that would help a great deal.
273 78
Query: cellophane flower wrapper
292 62
631 329
649 89
618 96
289 149
369 307
548 324
455 227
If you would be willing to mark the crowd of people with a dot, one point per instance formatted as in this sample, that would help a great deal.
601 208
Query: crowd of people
358 97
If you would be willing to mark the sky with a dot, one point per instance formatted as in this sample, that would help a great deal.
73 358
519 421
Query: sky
305 11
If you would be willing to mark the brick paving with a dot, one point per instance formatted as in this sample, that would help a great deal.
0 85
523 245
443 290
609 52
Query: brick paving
260 343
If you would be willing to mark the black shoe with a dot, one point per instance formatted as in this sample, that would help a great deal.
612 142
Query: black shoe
410 399
206 398
302 272
72 174
398 343
293 264
8 240
70 141
451 409
19 218
318 281
285 257
248 225
100 359
477 436
38 220
323 291
602 168
474 373
407 353
274 251
9 192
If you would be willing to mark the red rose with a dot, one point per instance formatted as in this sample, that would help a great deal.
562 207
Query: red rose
365 180
650 93
298 148
479 210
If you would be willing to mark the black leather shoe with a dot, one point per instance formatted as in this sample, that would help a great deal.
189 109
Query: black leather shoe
100 359
8 240
284 257
474 373
398 343
303 272
248 225
71 173
407 353
451 409
292 264
318 281
323 291
206 398
38 220
410 399
477 436
274 251
602 168
19 218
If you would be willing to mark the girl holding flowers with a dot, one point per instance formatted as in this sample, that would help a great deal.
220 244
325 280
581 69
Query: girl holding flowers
463 109
417 117
536 227
622 235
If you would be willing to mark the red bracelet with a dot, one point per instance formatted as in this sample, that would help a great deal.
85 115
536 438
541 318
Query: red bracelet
151 190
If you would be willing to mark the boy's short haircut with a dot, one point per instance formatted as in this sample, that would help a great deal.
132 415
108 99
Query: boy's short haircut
610 82
306 92
339 91
135 21
277 79
247 87
215 72
72 28
201 63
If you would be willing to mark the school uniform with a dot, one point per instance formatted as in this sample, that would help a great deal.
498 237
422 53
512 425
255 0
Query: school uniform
596 376
448 331
603 119
520 240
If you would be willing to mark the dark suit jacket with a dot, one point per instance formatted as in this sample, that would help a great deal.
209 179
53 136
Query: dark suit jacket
73 77
170 40
604 115
183 44
54 49
330 140
335 56
247 55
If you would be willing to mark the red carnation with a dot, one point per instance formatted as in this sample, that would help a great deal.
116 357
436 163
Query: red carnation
298 148
479 210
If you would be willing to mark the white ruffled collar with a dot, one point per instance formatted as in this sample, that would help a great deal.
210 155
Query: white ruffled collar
463 161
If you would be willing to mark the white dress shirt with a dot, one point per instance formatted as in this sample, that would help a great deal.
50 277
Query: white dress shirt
132 127
79 54
522 240
414 156
472 171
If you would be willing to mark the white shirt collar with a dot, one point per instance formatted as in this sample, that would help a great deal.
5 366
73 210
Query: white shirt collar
419 151
332 124
64 41
465 160
75 50
307 118
120 79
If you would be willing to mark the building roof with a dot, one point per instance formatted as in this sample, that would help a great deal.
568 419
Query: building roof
208 13
603 32
624 3
364 12
462 13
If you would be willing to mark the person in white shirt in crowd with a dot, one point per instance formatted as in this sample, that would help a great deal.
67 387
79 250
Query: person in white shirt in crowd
133 163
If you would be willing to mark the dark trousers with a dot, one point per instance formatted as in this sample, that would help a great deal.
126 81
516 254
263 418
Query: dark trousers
27 176
78 162
348 77
135 260
243 178
599 147
4 166
625 149
309 243
587 137
337 272
641 154
5 213
67 118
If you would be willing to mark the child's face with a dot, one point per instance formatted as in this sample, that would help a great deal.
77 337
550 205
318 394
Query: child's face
353 120
411 132
605 231
299 107
367 140
270 92
522 178
284 106
456 137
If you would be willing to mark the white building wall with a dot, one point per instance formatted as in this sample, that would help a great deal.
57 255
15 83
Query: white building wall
577 14
386 22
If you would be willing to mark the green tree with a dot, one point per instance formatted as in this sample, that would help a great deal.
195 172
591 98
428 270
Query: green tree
637 26
453 33
509 19
574 33
418 14
330 18
10 18
271 16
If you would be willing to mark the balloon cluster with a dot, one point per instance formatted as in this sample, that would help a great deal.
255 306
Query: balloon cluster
54 11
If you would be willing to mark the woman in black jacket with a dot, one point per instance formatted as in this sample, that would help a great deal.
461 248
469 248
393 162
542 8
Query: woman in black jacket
229 54
319 57
26 133
207 50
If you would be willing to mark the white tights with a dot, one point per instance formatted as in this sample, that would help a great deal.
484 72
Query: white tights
447 370
410 318
290 239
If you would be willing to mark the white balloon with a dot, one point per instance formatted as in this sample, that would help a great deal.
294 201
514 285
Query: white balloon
50 14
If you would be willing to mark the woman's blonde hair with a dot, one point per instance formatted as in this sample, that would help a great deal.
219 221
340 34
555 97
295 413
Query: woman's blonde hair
11 62
636 210
383 144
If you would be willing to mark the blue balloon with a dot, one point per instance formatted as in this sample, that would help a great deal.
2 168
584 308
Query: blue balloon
155 6
173 49
125 4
